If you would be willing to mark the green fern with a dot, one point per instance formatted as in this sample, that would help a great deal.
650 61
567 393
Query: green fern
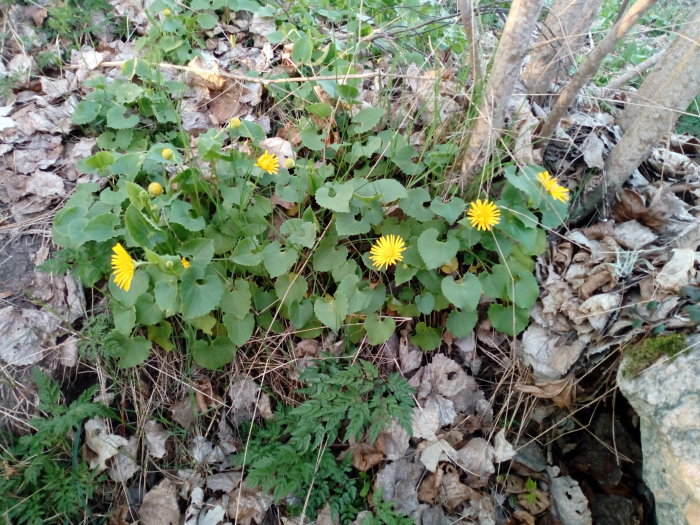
291 454
42 479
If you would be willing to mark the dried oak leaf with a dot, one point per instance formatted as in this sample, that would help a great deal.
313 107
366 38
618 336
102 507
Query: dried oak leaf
630 205
562 392
247 505
365 456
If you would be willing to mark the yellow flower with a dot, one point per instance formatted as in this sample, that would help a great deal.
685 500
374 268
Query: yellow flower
185 262
234 123
167 12
155 189
387 250
167 154
268 163
556 190
123 267
483 215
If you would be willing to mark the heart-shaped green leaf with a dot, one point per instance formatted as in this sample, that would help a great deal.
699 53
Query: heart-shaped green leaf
199 296
461 324
213 355
246 253
509 319
277 261
331 311
239 330
335 198
379 330
426 337
464 294
425 302
433 252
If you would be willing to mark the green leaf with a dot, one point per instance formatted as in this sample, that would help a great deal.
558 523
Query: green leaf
139 284
206 20
98 163
239 330
128 164
327 256
433 252
320 109
426 337
116 118
147 310
300 313
214 355
379 331
137 195
247 253
132 350
331 311
425 302
414 203
494 283
450 211
85 112
366 119
388 190
525 291
301 52
160 335
277 261
100 228
165 292
237 302
142 229
311 140
206 323
180 214
299 232
124 317
464 294
199 296
335 197
509 319
291 288
461 324
119 140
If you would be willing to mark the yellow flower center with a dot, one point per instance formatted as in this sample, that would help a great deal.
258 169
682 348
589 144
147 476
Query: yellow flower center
269 163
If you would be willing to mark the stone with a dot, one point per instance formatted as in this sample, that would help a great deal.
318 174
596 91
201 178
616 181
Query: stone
666 396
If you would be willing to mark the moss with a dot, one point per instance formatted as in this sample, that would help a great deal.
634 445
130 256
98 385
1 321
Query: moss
640 356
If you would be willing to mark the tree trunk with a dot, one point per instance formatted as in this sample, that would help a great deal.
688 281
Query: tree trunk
507 63
466 11
591 65
563 34
670 88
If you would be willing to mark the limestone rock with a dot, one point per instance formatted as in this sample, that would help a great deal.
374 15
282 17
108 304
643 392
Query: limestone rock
667 398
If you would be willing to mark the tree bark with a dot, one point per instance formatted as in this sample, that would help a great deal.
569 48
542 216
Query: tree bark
563 34
672 87
591 65
466 11
507 63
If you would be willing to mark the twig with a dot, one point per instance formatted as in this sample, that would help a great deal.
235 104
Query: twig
466 10
619 81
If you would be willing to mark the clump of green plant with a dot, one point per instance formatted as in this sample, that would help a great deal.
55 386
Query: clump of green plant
294 454
43 478
640 356
383 513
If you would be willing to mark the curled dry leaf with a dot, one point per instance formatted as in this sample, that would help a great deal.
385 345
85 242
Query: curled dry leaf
476 459
399 481
503 451
247 400
159 506
393 442
124 464
365 456
677 272
155 439
435 452
102 443
569 499
562 392
630 205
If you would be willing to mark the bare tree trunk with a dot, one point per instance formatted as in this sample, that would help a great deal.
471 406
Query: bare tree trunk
675 85
507 62
588 68
619 81
466 11
563 34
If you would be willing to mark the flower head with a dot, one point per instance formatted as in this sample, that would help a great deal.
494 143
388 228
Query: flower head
556 190
483 215
167 12
155 189
268 163
185 262
167 153
386 251
123 267
234 123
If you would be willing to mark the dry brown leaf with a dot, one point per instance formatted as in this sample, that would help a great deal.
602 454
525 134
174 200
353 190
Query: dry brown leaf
535 503
247 505
476 459
399 481
630 205
393 442
124 464
159 506
549 354
454 492
429 488
562 392
247 400
435 452
155 439
678 271
101 442
365 456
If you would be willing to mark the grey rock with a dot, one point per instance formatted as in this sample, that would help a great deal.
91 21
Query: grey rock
666 396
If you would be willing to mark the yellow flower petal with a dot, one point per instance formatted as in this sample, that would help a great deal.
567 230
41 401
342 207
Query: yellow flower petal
185 262
386 251
269 163
483 215
123 267
552 186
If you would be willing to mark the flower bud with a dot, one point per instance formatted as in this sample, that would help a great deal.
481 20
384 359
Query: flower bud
167 154
167 12
289 163
234 123
155 189
169 265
